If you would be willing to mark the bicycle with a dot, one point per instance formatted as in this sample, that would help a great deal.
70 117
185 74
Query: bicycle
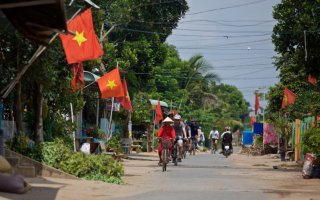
213 146
165 153
186 147
176 147
193 146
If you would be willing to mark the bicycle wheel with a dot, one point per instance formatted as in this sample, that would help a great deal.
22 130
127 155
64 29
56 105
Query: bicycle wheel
164 158
194 148
176 155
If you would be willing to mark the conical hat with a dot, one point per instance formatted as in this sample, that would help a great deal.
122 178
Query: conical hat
168 119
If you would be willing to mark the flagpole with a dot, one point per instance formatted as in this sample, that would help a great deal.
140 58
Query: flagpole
154 128
73 132
89 84
110 121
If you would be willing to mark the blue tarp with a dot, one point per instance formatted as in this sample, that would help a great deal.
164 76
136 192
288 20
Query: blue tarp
258 128
247 137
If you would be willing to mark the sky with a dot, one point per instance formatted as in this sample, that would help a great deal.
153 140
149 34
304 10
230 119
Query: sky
234 36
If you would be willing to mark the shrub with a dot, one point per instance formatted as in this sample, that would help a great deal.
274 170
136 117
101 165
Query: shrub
56 153
94 167
115 143
311 141
59 154
259 140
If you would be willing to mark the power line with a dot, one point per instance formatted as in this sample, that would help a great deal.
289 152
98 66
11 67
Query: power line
201 20
250 79
225 49
219 31
157 3
232 25
225 44
223 69
190 35
244 74
247 58
228 7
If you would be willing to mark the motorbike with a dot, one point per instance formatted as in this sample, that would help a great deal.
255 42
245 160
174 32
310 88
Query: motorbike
227 151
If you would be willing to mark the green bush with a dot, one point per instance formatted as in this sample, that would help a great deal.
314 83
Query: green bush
259 140
115 143
311 141
59 154
56 153
94 167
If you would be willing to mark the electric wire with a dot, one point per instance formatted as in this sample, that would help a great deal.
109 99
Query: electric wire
228 7
191 35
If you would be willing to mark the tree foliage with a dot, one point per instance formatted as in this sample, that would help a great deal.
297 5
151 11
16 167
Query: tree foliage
152 68
296 21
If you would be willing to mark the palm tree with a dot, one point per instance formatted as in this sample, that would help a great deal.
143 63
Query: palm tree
200 77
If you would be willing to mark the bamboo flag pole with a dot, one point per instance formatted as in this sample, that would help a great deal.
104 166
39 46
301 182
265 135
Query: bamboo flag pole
110 121
73 132
154 128
112 104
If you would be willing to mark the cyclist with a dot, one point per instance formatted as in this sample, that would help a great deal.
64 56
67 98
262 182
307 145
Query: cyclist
181 134
213 137
201 137
166 131
194 133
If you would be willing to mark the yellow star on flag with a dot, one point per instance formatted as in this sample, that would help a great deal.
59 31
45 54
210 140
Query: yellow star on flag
127 96
111 84
79 38
285 99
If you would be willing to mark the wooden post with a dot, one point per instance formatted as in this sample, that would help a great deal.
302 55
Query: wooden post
297 141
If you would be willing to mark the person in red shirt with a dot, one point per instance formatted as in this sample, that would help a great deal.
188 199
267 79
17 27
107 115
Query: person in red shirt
166 131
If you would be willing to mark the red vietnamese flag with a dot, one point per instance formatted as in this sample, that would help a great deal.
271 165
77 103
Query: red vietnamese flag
256 104
78 76
110 84
175 112
125 101
84 45
312 80
252 120
288 97
158 113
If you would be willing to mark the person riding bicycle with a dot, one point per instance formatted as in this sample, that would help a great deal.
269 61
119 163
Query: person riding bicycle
201 138
180 131
166 131
194 132
213 137
226 138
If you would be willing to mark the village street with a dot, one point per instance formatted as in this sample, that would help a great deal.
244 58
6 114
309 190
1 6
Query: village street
202 176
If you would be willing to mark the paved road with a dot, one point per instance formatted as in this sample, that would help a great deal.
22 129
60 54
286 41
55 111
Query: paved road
203 176
199 177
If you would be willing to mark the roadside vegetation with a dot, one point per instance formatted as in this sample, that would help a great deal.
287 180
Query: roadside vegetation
153 70
295 37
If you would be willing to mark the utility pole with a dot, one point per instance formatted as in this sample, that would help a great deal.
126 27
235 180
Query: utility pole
262 90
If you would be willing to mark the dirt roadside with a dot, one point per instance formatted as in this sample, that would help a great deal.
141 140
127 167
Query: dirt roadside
140 169
285 177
